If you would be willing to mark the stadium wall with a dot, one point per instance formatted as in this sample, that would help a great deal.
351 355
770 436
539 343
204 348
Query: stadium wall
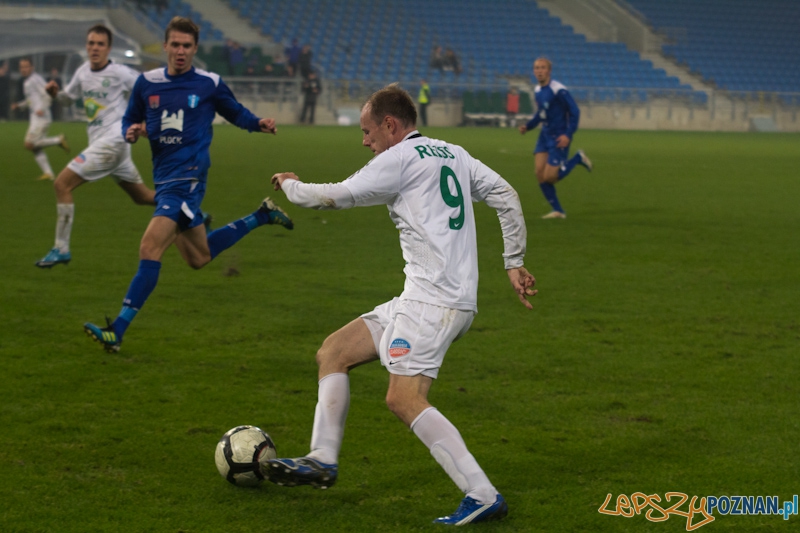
659 116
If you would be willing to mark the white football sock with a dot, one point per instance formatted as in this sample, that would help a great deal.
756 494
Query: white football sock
41 160
47 141
329 418
66 212
448 448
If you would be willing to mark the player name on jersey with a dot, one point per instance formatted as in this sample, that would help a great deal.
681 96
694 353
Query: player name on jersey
433 151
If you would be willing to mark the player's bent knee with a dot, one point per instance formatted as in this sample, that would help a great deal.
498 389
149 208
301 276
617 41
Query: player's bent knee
29 146
401 407
328 353
198 262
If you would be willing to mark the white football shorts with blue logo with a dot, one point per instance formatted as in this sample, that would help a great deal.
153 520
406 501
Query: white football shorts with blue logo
412 337
106 158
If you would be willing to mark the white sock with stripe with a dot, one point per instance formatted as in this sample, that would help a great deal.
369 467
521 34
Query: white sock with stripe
449 449
66 212
329 418
43 162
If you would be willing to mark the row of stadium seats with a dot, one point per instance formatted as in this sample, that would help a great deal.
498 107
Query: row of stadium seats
393 40
737 44
175 8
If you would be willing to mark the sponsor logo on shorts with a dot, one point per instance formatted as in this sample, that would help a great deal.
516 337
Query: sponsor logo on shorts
164 207
155 101
80 158
193 100
399 348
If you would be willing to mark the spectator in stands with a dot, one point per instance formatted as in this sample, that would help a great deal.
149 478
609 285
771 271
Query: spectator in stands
437 58
279 65
226 53
292 57
451 61
55 107
269 71
236 59
250 70
512 106
311 89
558 113
304 62
423 99
5 90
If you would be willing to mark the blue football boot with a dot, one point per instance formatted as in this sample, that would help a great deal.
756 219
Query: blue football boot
105 336
471 511
276 214
300 471
54 257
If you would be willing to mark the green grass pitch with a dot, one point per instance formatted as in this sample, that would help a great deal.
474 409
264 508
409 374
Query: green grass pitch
663 353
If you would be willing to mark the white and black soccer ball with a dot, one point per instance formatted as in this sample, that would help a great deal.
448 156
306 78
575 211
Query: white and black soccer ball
239 453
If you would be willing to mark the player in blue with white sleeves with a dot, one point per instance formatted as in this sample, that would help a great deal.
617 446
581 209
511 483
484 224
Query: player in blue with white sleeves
559 115
174 108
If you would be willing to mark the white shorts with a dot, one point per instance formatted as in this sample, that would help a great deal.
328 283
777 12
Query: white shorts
37 129
103 159
412 337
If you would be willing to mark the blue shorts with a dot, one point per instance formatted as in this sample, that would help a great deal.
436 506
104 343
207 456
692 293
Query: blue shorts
180 201
555 156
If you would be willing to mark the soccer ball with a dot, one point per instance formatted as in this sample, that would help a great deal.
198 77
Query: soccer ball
239 453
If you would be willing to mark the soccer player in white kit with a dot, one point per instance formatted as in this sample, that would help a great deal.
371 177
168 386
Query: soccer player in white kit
104 87
428 186
37 101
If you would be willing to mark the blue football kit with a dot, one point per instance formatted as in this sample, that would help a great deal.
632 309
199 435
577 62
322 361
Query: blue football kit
559 115
178 112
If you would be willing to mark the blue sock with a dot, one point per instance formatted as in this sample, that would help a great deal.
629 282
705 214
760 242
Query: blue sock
567 167
223 238
549 191
142 285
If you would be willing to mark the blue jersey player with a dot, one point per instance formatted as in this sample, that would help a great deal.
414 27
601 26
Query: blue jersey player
558 114
174 108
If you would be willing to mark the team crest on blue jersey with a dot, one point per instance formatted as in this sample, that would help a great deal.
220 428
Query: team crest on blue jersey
193 100
399 347
154 100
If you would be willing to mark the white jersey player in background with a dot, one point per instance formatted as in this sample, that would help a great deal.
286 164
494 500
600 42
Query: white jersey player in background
104 87
37 101
428 186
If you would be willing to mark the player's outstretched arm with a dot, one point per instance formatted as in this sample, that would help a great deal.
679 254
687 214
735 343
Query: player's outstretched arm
523 282
278 179
313 195
267 125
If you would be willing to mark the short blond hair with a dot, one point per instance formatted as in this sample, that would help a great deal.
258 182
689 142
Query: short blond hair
394 102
